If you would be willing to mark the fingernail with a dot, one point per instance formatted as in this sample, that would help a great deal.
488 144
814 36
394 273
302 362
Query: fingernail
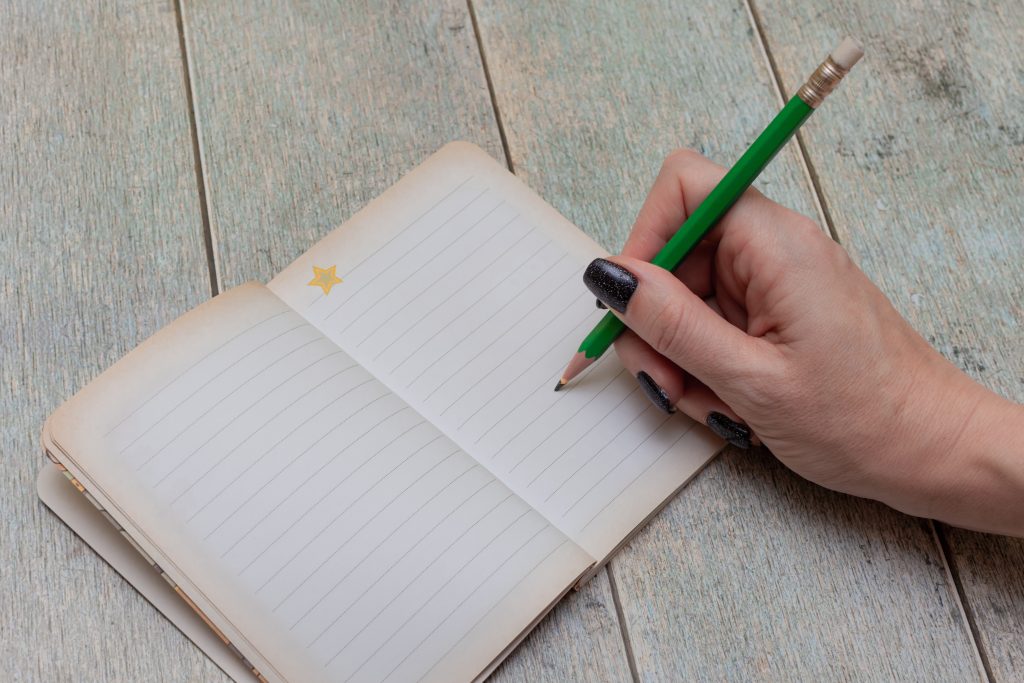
600 304
658 396
611 283
732 431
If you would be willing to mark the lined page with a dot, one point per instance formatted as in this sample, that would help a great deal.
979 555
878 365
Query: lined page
463 294
345 536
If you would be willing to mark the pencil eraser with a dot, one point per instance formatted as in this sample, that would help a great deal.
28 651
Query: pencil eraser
847 53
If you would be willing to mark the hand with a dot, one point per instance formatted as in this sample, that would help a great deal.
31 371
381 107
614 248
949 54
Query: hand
769 332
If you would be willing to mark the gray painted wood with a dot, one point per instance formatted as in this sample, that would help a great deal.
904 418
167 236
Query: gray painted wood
921 170
751 573
101 245
580 640
308 111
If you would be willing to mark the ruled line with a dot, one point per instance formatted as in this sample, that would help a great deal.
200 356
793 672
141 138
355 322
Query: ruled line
498 282
506 415
447 583
427 287
344 449
470 595
312 475
568 419
249 467
634 479
248 379
348 507
507 329
433 206
425 261
266 422
394 565
486 614
400 526
207 382
583 433
365 524
585 463
416 577
407 250
191 367
243 411
336 486
520 345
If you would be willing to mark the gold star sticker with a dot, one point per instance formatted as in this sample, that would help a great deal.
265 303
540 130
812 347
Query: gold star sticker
324 278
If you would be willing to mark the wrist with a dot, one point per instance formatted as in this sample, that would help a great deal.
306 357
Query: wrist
971 460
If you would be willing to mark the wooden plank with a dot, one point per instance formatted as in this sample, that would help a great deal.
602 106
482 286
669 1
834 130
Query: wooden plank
921 169
566 645
306 113
751 573
101 245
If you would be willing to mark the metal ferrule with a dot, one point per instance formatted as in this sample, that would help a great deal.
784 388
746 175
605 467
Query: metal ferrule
823 81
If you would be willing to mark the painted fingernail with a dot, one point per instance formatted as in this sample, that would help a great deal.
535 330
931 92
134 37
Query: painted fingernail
600 304
611 283
732 431
658 396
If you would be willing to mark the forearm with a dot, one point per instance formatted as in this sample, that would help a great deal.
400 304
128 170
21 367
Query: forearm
980 483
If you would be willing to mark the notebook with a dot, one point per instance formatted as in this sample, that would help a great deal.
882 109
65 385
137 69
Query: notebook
359 471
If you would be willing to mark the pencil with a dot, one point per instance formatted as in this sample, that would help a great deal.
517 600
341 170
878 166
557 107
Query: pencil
729 189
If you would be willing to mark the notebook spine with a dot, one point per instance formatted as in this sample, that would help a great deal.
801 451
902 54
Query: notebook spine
177 589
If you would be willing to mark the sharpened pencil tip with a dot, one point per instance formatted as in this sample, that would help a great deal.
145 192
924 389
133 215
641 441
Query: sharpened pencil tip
578 364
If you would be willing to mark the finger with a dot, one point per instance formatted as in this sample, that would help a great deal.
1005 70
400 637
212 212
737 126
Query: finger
675 321
661 379
669 388
697 272
704 405
683 182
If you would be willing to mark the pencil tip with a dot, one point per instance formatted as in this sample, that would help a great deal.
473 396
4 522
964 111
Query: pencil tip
561 384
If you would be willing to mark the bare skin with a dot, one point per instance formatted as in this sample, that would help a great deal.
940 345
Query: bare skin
770 324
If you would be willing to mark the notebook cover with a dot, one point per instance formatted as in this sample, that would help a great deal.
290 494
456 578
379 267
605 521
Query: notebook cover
65 501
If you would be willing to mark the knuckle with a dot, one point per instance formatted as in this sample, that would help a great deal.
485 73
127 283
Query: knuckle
668 322
767 384
680 158
806 227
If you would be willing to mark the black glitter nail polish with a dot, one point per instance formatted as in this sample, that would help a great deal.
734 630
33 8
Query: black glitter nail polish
600 304
658 396
735 433
611 283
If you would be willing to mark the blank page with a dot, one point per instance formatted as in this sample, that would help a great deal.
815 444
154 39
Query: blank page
320 520
461 290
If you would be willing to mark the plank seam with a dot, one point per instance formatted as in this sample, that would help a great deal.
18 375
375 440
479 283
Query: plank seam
966 612
490 86
822 206
810 172
623 629
197 152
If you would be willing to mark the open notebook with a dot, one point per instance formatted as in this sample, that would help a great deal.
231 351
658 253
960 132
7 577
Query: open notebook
360 471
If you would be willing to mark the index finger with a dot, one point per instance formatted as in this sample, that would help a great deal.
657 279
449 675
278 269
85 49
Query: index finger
683 182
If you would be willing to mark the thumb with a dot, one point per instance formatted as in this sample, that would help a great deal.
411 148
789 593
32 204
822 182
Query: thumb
663 311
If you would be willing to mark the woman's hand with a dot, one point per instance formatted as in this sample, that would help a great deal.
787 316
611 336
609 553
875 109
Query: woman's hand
769 332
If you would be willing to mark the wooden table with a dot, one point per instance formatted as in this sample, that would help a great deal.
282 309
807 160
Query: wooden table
155 153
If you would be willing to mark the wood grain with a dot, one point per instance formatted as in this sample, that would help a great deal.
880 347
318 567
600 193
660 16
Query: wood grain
306 112
751 573
922 173
579 641
101 245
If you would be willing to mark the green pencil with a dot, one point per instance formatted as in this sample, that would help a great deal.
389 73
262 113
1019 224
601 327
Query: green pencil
736 181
